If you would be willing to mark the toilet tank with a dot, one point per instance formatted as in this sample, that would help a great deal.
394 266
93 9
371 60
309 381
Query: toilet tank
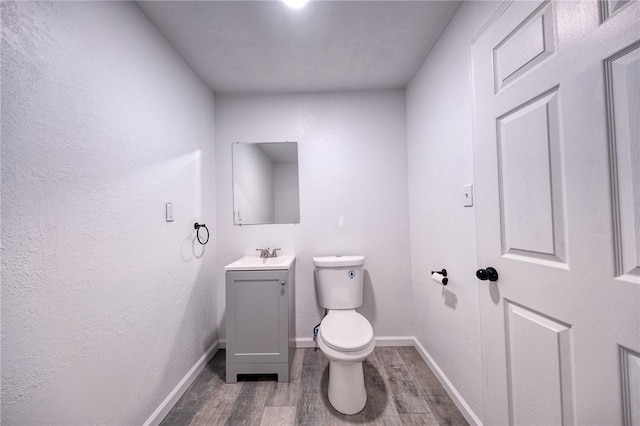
340 281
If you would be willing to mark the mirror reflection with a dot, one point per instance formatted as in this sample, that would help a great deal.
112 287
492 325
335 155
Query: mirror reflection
265 183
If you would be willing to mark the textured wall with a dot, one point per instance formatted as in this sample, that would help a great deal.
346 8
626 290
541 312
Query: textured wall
443 233
353 194
105 306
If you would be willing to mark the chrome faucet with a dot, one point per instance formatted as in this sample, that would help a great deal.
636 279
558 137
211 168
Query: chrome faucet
264 253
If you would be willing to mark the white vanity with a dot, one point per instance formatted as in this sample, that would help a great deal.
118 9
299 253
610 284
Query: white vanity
260 316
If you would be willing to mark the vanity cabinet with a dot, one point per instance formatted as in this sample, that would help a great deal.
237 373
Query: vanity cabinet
260 322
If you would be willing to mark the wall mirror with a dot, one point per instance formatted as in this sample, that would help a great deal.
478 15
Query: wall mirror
265 183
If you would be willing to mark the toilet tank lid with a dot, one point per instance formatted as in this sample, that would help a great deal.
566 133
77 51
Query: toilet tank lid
338 261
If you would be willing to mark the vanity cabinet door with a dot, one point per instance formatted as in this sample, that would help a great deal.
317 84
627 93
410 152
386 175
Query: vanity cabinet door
257 316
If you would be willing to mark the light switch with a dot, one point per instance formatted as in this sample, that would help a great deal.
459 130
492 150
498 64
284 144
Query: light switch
468 196
169 212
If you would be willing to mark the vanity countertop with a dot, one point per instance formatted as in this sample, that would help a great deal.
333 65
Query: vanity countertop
255 263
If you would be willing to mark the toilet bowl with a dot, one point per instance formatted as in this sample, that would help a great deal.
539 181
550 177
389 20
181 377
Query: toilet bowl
345 337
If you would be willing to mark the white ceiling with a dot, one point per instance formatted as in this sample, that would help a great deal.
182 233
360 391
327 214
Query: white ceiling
263 46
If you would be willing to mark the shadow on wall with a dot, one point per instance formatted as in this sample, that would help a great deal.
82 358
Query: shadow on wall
203 294
368 308
222 333
191 248
450 298
494 291
190 308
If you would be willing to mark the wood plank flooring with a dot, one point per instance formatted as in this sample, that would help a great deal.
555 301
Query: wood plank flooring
401 390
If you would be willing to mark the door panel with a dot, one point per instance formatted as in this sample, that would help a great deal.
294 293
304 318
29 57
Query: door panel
531 180
557 177
623 85
257 316
609 7
525 47
630 369
258 324
537 343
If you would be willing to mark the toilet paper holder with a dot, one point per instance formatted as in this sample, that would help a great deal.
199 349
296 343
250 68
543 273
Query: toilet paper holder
443 272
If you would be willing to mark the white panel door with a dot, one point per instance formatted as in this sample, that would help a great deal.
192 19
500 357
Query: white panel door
557 176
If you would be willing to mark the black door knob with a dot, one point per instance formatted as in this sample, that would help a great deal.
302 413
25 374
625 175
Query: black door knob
487 274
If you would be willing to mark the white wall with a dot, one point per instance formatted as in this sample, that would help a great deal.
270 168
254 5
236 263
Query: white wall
443 233
353 194
105 306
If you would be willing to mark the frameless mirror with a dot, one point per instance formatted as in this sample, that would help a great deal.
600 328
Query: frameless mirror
265 183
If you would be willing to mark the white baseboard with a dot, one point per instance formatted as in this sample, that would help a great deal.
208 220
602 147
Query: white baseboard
173 397
462 405
395 341
305 342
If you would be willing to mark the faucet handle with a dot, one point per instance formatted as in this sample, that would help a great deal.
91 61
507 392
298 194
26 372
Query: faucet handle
274 253
263 252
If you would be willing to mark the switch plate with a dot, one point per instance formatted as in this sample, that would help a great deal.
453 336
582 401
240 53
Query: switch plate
169 212
468 196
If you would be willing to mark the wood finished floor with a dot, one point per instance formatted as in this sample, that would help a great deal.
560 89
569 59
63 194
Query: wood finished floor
401 390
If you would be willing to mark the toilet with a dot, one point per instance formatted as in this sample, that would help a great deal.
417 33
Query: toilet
345 337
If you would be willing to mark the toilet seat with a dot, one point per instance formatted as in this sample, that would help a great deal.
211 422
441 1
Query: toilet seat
346 330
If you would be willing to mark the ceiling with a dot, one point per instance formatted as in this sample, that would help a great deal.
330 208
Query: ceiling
265 47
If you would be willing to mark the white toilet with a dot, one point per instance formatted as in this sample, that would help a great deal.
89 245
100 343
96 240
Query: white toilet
344 336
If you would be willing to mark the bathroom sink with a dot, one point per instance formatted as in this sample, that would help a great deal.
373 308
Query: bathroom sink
255 263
